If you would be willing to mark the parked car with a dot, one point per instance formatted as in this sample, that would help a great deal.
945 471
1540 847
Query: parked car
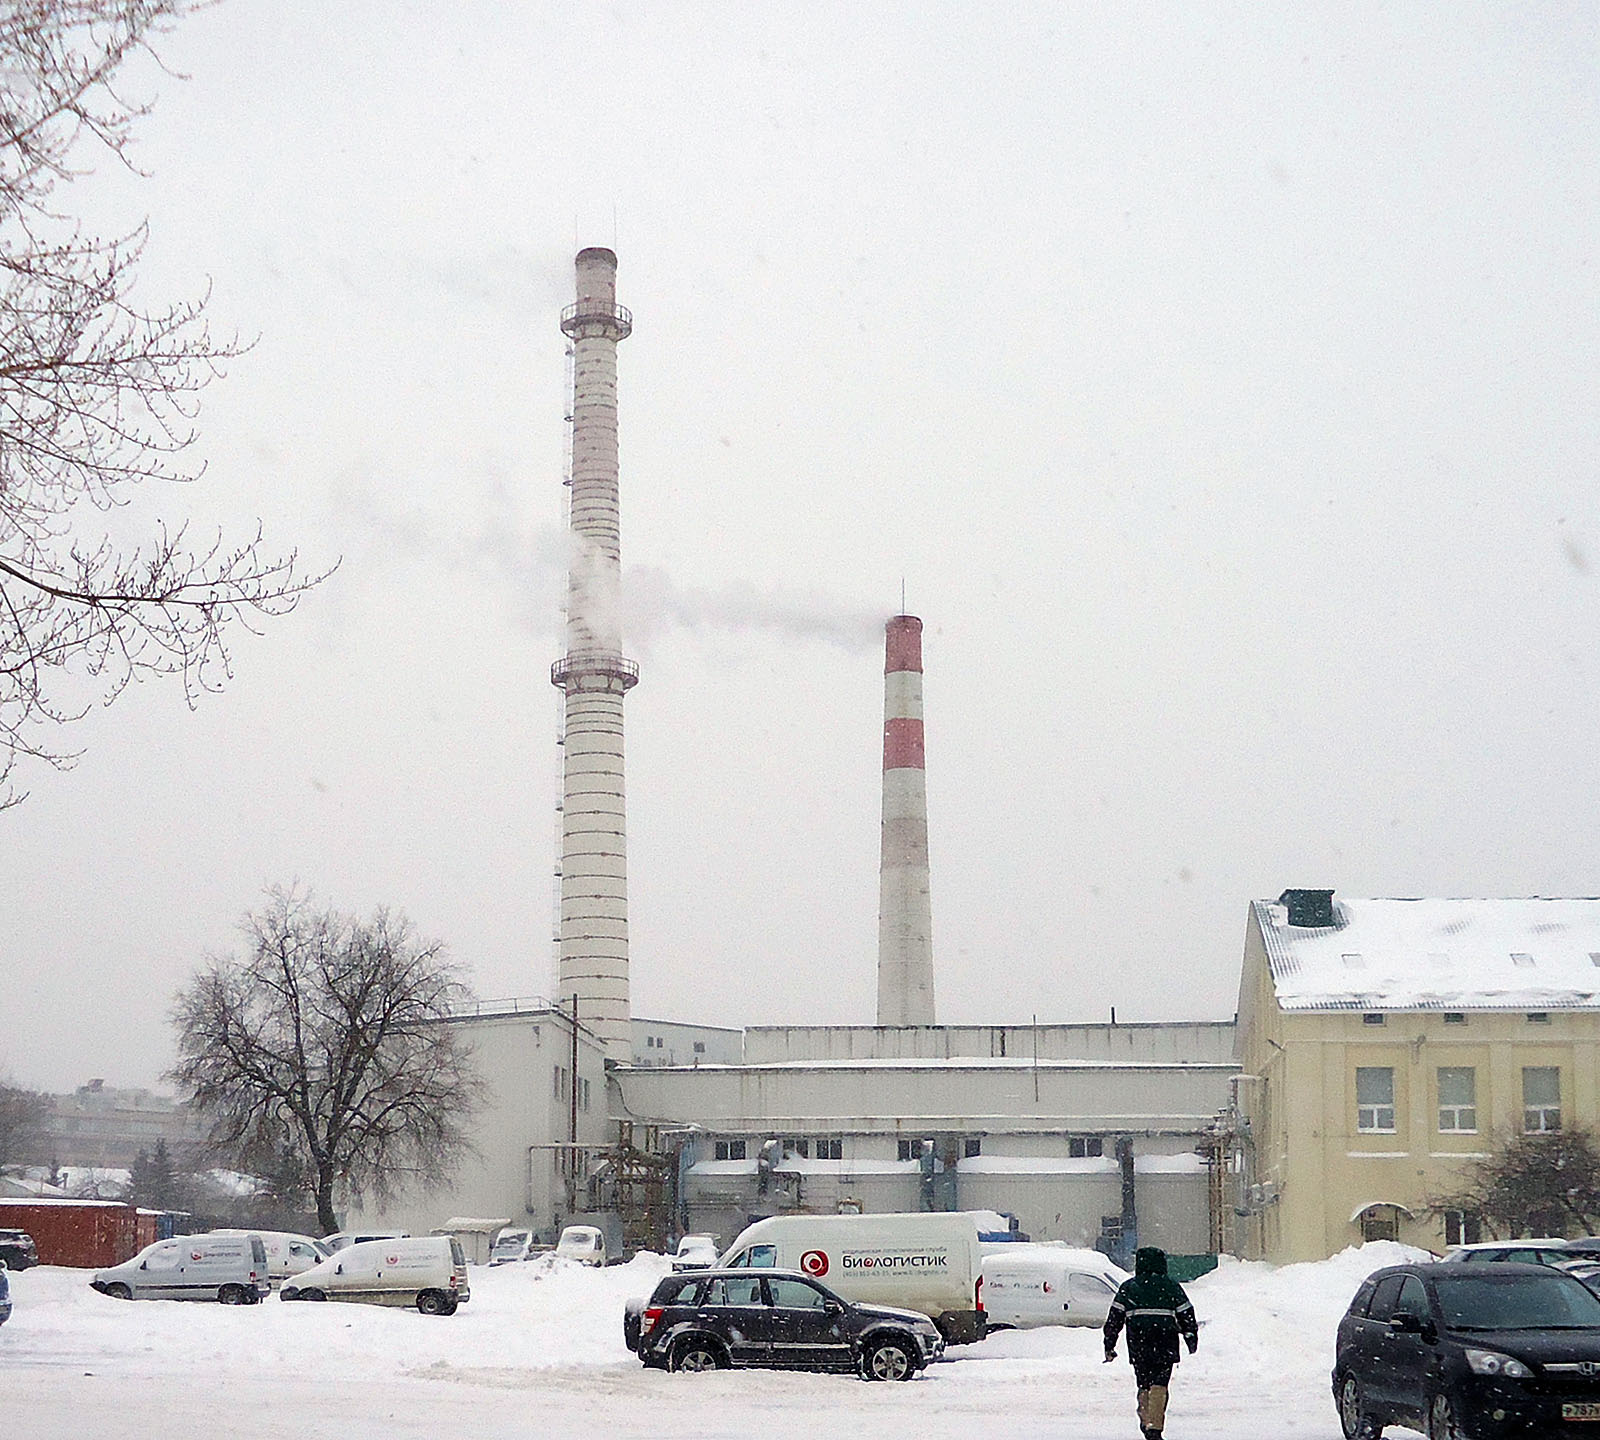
919 1261
287 1253
17 1250
1524 1252
1469 1353
511 1245
428 1271
695 1252
341 1239
583 1243
229 1268
1031 1285
710 1320
5 1296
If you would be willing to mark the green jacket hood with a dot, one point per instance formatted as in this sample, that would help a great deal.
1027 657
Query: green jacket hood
1150 1261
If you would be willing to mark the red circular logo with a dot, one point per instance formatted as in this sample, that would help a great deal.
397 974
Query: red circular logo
393 1260
814 1263
194 1255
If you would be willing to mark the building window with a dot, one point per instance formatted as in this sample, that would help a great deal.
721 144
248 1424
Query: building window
1538 1017
830 1149
1380 1222
1462 1227
1372 1017
798 1145
1375 1099
730 1150
560 1079
1541 1099
1458 1100
1085 1147
699 1047
1454 1017
583 1093
972 1146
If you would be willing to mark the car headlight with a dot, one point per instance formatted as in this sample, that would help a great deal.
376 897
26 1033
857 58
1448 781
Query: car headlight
1491 1362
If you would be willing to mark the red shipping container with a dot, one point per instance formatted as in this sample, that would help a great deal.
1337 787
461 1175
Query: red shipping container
88 1234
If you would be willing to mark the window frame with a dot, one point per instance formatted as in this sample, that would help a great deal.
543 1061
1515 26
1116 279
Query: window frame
1463 1115
1371 1113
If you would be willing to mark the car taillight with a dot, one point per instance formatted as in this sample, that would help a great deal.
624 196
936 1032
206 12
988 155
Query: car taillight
977 1296
649 1320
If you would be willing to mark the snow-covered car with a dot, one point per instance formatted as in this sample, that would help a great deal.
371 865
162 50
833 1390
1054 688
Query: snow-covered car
695 1252
1031 1285
229 1268
583 1243
428 1271
715 1319
17 1250
5 1297
511 1246
1521 1252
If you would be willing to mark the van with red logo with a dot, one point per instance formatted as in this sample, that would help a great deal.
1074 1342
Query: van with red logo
428 1271
229 1268
927 1262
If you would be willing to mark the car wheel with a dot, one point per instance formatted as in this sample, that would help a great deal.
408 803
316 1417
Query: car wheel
119 1291
431 1302
1443 1422
696 1355
312 1294
889 1360
450 1307
233 1295
1353 1417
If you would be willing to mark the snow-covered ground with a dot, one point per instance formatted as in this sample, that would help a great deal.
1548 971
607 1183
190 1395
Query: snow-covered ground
539 1351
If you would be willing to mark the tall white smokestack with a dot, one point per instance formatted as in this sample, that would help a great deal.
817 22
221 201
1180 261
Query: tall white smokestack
593 944
905 914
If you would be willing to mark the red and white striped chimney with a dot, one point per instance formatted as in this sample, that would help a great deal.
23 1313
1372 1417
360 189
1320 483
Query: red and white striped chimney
905 914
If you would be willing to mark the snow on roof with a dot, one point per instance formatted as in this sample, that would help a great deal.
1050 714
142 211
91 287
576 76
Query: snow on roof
1527 954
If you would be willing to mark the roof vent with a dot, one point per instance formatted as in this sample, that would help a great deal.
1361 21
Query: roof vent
1521 960
1309 909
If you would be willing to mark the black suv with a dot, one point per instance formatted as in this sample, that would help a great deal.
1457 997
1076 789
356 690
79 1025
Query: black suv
1470 1352
17 1250
711 1319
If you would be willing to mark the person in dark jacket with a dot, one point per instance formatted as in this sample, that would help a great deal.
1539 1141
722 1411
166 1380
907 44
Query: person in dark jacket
1156 1312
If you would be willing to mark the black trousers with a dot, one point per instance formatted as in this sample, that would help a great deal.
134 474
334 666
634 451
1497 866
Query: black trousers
1151 1372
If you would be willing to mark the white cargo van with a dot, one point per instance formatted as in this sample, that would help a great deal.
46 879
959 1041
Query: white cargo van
229 1268
926 1262
1030 1285
428 1271
583 1243
287 1253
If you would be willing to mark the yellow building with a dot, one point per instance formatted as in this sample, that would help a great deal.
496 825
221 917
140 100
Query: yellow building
1385 1042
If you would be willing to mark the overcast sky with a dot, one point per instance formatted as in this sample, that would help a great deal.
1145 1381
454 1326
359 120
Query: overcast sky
1219 380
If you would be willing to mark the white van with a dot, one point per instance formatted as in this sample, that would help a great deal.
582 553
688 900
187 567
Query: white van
1030 1285
229 1268
926 1262
510 1246
428 1271
583 1243
287 1253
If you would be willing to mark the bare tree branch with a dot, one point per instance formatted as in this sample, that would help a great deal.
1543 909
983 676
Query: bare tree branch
97 394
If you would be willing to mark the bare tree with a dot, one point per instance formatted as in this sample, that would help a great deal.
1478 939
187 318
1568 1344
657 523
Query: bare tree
24 1119
1539 1184
96 395
323 1052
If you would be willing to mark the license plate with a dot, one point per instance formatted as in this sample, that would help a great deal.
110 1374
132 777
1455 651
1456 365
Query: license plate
1580 1410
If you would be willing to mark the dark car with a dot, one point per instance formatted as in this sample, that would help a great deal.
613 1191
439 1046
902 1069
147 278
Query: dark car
17 1250
711 1319
1470 1352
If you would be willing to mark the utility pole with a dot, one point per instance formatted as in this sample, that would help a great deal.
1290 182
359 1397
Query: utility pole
572 1118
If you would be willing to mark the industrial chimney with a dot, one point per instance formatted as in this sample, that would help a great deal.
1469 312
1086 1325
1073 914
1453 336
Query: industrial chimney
593 933
905 915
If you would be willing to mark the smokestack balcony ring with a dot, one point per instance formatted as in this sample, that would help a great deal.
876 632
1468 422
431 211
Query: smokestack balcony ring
590 318
574 668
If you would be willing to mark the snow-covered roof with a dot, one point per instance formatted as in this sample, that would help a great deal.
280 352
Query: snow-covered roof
1523 954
